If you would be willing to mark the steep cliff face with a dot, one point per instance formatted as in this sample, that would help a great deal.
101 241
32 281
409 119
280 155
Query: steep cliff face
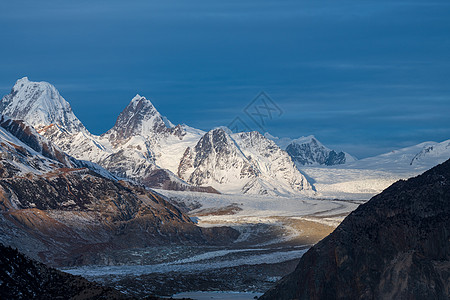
139 118
31 138
396 246
23 278
215 160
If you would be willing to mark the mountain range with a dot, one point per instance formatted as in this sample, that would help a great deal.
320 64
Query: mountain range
68 197
65 211
144 146
309 151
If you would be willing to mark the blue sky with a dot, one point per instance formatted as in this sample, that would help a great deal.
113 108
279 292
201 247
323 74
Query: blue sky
363 76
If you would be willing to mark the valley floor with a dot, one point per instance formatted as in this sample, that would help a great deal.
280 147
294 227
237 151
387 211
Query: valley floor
275 232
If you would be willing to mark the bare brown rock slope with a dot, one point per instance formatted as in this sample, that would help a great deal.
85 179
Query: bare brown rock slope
396 246
75 213
57 211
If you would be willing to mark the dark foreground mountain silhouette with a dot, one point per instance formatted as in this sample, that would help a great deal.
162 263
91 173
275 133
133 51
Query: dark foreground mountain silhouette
396 246
23 278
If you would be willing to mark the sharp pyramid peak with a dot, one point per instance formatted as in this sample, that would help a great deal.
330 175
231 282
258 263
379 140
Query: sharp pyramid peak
140 117
140 99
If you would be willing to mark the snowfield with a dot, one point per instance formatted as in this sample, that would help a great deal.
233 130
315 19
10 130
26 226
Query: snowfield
362 179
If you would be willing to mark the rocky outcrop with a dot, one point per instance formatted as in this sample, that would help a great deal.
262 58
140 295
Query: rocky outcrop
396 246
309 151
23 278
140 118
164 179
215 160
29 136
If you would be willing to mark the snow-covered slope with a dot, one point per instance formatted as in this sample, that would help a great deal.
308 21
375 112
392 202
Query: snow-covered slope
39 104
142 128
366 177
414 159
18 159
273 163
23 147
309 151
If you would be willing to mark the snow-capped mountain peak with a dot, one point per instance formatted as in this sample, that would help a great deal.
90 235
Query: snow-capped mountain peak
41 105
244 162
140 117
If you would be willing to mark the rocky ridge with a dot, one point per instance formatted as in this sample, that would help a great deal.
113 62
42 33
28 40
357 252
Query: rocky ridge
23 278
396 246
308 150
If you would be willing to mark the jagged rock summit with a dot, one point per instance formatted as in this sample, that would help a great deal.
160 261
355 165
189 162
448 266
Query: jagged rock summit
140 117
308 150
396 246
245 162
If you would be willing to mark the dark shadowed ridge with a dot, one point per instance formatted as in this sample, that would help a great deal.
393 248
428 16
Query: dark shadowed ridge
23 278
396 246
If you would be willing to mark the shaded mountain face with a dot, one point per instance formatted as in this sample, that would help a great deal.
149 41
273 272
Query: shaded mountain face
241 163
64 214
31 138
23 278
309 151
396 246
140 117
